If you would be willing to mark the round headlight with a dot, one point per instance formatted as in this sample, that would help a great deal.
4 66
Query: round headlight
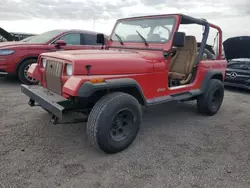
69 70
44 61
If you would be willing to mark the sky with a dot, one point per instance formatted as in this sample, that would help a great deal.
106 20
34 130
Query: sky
38 16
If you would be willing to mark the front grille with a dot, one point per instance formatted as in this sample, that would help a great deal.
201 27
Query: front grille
238 77
53 76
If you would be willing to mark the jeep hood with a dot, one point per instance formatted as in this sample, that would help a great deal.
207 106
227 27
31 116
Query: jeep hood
237 47
109 61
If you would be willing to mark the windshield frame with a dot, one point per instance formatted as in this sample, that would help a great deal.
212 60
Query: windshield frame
146 18
48 39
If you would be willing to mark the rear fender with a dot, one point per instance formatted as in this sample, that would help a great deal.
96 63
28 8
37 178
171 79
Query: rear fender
211 74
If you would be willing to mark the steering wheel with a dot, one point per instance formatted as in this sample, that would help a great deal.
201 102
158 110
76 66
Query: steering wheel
209 54
162 38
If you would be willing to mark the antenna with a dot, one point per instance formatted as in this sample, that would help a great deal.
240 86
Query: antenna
94 24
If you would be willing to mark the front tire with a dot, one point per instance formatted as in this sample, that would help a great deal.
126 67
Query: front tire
210 101
114 122
23 70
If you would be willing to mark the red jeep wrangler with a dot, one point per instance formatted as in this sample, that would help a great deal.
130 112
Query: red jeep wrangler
139 67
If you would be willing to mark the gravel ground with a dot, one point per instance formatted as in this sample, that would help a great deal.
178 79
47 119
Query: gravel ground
176 147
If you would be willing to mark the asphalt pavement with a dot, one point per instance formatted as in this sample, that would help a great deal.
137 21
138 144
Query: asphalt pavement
176 147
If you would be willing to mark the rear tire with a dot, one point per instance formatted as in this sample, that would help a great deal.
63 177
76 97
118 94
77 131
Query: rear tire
22 72
114 122
210 101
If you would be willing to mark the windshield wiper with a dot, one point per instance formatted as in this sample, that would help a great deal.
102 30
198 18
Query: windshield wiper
120 39
145 41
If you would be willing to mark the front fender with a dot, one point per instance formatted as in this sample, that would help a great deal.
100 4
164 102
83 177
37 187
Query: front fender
76 86
88 88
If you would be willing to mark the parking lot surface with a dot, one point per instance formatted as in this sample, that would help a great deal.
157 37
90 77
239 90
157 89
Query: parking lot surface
176 147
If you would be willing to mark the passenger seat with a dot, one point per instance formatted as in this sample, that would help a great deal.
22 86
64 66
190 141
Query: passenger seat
182 63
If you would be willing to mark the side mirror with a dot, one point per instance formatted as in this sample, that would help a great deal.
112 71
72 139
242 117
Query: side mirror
100 39
60 43
179 39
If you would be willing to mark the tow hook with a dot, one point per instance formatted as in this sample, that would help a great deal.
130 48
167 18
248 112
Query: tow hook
31 102
54 120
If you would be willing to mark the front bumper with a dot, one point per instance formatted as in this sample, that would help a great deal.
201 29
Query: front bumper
3 66
238 85
45 98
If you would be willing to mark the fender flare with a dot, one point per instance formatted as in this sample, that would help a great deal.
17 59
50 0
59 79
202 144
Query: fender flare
211 74
88 88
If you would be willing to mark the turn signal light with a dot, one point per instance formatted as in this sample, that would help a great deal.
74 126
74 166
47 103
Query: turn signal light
97 80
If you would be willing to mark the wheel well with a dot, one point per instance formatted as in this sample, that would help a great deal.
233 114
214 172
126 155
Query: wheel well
132 91
211 74
218 77
28 58
127 89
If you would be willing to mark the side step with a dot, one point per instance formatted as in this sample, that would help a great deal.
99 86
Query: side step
175 97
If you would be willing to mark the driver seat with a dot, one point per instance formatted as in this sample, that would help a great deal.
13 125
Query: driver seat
182 63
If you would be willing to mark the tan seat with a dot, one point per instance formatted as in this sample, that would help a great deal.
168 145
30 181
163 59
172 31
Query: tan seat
182 63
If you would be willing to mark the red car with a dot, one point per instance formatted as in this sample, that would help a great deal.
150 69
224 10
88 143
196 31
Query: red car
16 57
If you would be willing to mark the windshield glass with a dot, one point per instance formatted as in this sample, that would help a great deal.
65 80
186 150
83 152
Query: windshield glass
44 37
26 39
156 30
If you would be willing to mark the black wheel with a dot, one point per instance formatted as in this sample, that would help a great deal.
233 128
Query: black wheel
23 70
114 122
209 54
210 102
